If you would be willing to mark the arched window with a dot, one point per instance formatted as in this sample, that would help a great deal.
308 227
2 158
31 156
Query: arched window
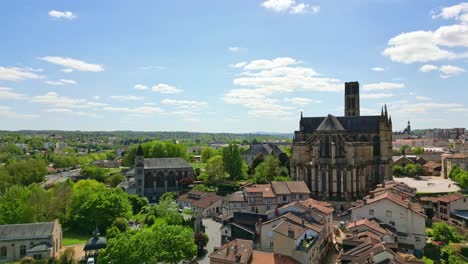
3 252
22 250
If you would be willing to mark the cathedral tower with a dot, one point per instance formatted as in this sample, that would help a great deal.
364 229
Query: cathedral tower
140 171
352 99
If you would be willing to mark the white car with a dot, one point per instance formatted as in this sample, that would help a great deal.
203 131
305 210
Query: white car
90 261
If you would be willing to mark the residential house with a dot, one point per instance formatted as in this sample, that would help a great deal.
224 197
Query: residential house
241 226
264 149
37 240
405 217
241 251
450 160
398 188
205 203
260 198
433 168
452 204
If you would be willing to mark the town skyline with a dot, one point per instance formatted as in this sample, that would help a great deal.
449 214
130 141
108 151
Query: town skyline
212 67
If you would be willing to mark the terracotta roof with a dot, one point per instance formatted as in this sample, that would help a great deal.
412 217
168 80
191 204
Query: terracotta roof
260 257
370 224
297 187
298 220
204 202
429 198
392 197
265 189
235 197
284 227
321 206
451 197
280 188
457 155
229 251
432 165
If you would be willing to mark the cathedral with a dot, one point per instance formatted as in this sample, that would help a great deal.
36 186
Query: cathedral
343 158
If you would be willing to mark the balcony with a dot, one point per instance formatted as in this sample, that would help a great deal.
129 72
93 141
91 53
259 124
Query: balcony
306 244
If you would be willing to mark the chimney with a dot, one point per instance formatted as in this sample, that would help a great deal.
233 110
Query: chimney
365 201
290 231
383 184
302 222
371 195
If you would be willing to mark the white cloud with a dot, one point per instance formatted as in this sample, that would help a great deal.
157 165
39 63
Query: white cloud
382 86
239 64
140 87
94 104
423 98
234 49
378 69
61 82
290 6
7 93
144 110
6 112
457 12
67 70
62 14
428 68
73 63
165 89
18 74
450 71
301 101
185 103
58 110
425 46
425 107
377 95
266 64
126 97
56 101
261 83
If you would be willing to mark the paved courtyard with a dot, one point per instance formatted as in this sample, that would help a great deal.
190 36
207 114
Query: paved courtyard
214 234
430 184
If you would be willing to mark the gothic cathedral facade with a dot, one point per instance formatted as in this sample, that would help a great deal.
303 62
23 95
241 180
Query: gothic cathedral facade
343 158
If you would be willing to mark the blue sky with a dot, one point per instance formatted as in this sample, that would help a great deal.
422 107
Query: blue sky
229 66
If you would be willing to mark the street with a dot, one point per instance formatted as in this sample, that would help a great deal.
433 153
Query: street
214 235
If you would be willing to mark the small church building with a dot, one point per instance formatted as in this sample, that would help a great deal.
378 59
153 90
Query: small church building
152 177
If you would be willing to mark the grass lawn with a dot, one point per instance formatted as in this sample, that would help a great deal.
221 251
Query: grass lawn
73 239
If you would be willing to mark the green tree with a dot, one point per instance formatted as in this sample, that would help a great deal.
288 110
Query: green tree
115 179
165 243
445 233
259 158
268 170
27 172
137 202
215 172
397 170
121 224
95 172
207 153
233 162
418 150
410 170
67 257
14 206
94 205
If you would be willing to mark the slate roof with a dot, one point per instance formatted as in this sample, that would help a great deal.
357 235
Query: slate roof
330 123
39 248
349 123
95 243
265 149
26 231
166 163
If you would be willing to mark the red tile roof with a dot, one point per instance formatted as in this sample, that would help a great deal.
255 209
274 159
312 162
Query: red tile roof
392 197
204 202
265 189
371 224
237 247
321 206
451 197
259 257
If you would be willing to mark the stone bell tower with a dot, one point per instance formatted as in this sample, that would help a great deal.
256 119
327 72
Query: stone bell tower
352 99
140 171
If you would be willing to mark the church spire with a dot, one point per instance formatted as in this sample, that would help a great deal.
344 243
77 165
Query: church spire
390 120
386 113
140 150
381 113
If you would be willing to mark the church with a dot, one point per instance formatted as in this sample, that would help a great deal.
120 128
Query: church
343 158
156 176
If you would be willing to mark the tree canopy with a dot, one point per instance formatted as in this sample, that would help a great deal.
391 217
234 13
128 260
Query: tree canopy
234 165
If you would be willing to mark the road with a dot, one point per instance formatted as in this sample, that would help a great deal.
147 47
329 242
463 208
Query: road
214 234
60 177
